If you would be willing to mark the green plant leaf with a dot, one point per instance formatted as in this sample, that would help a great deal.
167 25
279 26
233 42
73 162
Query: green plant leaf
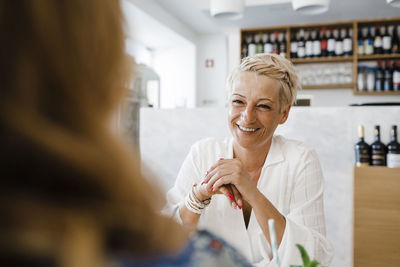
304 255
312 263
296 266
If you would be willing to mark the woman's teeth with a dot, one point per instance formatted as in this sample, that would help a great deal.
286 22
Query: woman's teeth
246 129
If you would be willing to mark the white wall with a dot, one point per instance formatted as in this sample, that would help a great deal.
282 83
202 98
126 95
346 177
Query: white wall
177 69
211 80
139 51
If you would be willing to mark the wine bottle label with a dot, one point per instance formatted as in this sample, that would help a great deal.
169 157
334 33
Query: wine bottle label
347 45
378 42
316 48
252 49
393 160
378 157
301 52
309 48
268 48
387 42
324 45
260 49
331 45
339 48
396 77
293 47
362 158
368 47
360 49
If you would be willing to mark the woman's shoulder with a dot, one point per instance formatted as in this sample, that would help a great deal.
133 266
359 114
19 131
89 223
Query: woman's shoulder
202 249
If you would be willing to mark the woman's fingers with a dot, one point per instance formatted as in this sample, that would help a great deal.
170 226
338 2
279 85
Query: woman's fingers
210 171
237 196
228 193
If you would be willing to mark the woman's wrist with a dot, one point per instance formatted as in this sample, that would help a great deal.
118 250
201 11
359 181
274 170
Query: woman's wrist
199 193
194 203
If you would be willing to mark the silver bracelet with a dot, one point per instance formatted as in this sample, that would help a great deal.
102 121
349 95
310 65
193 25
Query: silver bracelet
193 203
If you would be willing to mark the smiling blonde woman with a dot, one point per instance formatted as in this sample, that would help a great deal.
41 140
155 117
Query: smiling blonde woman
233 187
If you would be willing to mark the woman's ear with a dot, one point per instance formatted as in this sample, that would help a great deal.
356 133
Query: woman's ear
285 114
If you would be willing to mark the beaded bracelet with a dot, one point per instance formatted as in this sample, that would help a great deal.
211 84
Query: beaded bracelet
193 203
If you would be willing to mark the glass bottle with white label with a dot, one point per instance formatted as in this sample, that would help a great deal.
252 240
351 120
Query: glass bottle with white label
393 156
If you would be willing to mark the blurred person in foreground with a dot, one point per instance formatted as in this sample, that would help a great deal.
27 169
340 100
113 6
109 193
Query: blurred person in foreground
71 193
242 182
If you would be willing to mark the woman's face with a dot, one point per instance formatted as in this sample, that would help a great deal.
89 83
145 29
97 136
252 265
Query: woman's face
254 110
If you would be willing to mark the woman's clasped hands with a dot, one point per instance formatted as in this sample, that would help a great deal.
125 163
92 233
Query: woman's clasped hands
230 178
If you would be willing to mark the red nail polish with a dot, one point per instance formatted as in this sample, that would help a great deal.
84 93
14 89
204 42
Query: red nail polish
221 158
231 196
240 207
202 183
212 188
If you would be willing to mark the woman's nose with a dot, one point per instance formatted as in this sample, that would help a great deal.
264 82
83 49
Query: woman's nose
248 114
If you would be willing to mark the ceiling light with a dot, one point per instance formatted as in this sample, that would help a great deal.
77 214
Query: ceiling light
311 7
227 9
395 3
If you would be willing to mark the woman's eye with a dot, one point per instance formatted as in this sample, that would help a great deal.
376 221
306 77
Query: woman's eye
237 101
266 107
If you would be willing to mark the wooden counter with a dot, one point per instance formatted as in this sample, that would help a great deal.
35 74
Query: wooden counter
376 216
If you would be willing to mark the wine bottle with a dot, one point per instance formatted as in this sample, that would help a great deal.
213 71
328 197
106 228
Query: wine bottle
301 48
275 45
387 78
282 47
396 76
259 44
243 52
268 45
324 43
309 44
347 44
331 44
338 43
368 43
316 44
293 45
393 156
378 41
395 41
378 149
362 149
386 41
379 74
360 43
252 48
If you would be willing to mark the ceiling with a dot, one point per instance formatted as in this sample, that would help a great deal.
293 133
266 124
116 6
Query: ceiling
261 13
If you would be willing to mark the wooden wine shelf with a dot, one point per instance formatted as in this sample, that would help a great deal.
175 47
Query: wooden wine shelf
321 60
355 59
376 57
328 86
377 93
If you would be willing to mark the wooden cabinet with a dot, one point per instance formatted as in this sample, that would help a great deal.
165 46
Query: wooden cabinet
376 216
353 60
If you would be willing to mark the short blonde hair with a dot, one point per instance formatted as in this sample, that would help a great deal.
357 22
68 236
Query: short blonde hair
275 67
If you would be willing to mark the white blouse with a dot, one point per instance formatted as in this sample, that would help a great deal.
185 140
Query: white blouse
291 179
